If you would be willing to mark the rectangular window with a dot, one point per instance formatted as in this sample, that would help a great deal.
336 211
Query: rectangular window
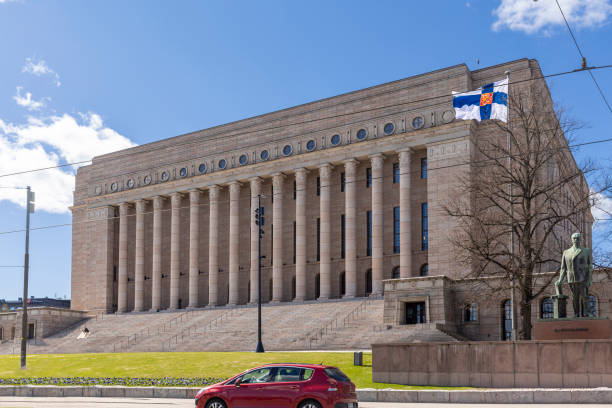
342 237
368 177
396 173
342 182
271 243
424 227
318 239
318 186
272 193
369 233
424 168
294 189
396 230
294 243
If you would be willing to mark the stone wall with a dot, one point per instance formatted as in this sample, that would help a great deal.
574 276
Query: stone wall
546 364
46 320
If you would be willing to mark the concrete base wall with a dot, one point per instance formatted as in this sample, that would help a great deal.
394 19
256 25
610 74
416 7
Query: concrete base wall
548 364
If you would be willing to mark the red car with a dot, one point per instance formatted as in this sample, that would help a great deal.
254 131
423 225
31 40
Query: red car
282 385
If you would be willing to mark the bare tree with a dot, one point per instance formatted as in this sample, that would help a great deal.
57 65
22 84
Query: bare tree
523 198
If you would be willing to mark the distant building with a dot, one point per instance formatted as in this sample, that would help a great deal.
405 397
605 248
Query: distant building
9 305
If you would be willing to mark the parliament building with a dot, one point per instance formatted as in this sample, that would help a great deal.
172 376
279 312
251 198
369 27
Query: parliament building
351 188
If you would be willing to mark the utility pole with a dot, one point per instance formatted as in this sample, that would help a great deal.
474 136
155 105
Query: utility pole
26 266
259 220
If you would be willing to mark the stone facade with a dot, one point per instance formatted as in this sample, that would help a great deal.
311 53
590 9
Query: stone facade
171 224
44 321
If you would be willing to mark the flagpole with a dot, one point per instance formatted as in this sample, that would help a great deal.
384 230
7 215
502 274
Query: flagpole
512 298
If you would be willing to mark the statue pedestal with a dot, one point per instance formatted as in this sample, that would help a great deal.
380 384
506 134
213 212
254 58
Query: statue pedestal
559 306
579 328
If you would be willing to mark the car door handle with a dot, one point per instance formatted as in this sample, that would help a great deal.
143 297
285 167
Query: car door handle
294 387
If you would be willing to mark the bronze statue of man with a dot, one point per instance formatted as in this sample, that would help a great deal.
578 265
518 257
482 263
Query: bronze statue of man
577 264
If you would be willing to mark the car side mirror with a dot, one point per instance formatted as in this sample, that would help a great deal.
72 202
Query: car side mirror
238 382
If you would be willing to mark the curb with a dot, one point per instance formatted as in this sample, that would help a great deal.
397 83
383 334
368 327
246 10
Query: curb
480 396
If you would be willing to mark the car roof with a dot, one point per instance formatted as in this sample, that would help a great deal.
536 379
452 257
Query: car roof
302 365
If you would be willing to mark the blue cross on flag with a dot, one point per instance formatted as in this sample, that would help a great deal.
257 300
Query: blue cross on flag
487 102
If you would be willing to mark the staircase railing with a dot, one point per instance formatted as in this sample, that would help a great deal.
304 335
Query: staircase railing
132 339
339 322
191 330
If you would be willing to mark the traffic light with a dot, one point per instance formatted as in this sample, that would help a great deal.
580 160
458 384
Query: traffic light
259 217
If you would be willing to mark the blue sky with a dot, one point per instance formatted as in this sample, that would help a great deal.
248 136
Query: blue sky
79 78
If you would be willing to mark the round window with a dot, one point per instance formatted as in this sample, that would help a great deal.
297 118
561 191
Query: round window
222 164
418 122
202 168
335 140
264 155
183 172
147 180
389 128
114 187
287 150
361 134
243 159
165 176
130 183
310 145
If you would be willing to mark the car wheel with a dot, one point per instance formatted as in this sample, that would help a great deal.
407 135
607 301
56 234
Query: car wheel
310 404
216 403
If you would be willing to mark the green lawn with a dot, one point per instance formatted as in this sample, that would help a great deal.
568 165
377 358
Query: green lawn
207 364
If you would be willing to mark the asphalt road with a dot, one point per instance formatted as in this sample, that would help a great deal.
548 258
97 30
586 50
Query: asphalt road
25 402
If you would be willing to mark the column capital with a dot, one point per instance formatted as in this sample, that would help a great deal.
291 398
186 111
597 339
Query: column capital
158 202
277 179
300 174
404 156
350 165
377 160
326 166
234 186
141 204
194 195
124 207
325 169
175 198
405 150
213 191
255 180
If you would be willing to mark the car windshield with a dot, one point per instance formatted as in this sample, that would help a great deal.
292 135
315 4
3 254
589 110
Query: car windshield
336 374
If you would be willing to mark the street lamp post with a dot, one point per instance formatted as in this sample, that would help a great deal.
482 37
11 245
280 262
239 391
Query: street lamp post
26 266
259 220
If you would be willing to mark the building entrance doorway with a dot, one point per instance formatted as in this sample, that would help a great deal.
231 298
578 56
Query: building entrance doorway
415 312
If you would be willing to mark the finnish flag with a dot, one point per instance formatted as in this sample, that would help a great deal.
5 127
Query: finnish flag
487 102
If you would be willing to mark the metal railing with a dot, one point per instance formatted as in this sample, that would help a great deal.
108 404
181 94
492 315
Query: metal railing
337 323
189 331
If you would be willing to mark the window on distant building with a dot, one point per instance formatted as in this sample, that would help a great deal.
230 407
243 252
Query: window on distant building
395 273
342 182
396 173
318 239
396 230
294 243
368 177
342 236
369 233
424 227
424 271
424 168
318 186
547 308
507 320
470 312
294 189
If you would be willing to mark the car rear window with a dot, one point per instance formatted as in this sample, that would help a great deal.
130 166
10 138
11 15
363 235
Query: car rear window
336 374
307 374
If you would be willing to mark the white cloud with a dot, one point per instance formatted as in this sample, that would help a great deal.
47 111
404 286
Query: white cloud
27 102
40 68
601 209
533 16
48 142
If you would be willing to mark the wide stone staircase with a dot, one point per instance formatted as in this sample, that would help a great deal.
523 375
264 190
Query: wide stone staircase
321 325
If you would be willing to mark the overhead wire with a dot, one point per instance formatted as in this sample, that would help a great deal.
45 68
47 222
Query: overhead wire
309 121
583 57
